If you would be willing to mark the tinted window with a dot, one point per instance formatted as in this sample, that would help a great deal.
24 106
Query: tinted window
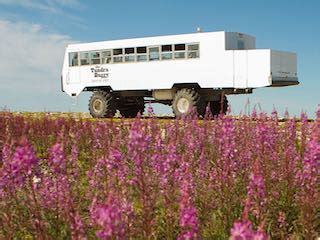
179 47
166 48
141 49
178 55
117 59
73 59
130 58
84 58
129 51
165 56
193 51
154 53
95 57
141 58
106 57
193 47
117 51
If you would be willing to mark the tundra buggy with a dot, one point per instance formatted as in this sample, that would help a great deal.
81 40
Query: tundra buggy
187 71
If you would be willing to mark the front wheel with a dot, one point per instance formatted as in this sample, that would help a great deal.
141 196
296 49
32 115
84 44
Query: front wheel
185 100
102 104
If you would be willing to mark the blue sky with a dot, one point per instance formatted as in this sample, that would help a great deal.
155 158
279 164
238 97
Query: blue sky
34 34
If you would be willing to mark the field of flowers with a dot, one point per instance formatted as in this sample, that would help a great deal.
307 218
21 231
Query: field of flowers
73 178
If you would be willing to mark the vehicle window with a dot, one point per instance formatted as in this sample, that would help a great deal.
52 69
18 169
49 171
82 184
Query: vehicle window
142 54
141 50
117 59
193 47
166 48
179 51
129 55
117 55
193 54
95 58
73 59
84 58
178 55
141 58
117 51
129 51
193 51
165 56
139 54
130 58
166 52
106 57
154 53
179 47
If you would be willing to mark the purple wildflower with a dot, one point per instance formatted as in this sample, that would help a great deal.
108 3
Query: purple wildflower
117 166
57 159
108 218
20 167
74 159
242 230
311 166
256 195
188 213
77 227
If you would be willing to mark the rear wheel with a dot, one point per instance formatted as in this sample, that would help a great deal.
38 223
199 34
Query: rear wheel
185 100
215 106
102 104
129 107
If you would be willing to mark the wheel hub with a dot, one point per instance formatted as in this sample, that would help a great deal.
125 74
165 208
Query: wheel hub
183 105
97 105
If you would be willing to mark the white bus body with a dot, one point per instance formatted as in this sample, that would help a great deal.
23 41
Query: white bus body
212 63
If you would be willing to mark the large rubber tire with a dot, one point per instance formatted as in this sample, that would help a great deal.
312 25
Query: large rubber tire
185 101
130 107
215 106
102 104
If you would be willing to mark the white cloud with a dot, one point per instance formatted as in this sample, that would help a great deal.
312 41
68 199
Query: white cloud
52 6
30 66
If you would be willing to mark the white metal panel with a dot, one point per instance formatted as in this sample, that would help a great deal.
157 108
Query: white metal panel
73 76
240 69
259 68
251 68
283 64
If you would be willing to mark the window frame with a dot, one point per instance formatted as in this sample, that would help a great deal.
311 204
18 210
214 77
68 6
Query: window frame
111 56
180 51
95 58
159 53
138 57
192 51
85 52
128 55
167 52
71 60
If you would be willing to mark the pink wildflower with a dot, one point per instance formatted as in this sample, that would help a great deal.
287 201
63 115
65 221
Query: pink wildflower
108 218
242 230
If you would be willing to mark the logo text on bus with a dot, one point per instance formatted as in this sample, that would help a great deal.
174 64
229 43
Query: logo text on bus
100 72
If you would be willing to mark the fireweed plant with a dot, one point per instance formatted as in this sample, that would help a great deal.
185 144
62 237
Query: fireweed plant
218 178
